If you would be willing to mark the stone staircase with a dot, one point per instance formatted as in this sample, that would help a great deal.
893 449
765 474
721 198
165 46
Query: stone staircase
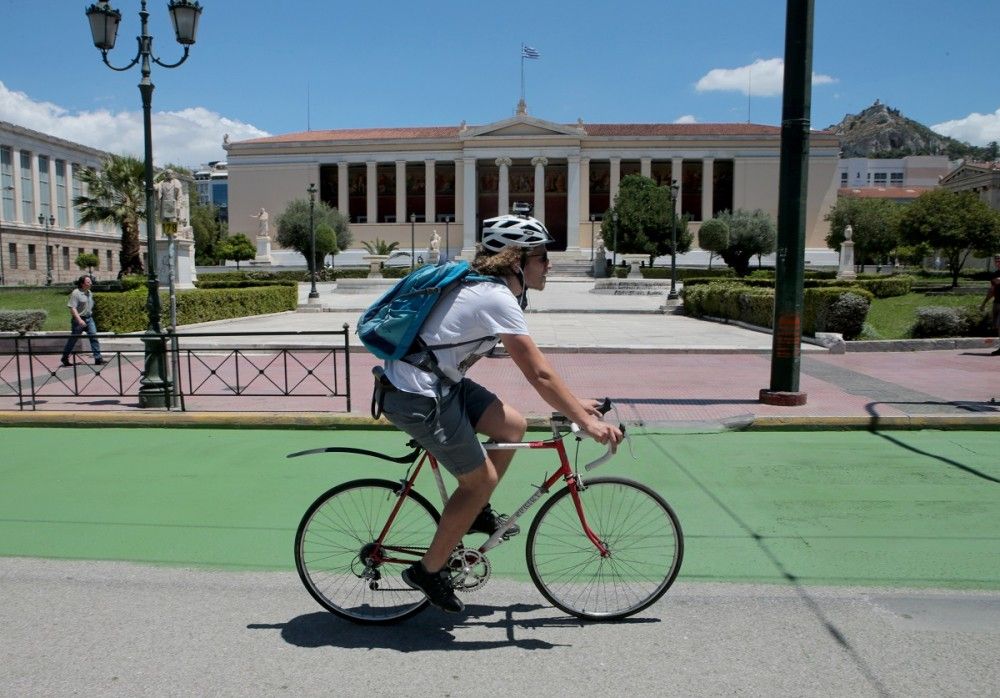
570 264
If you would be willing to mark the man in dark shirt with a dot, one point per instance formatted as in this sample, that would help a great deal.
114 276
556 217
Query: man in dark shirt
994 292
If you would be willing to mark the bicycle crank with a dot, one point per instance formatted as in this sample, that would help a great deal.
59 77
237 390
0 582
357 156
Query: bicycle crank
469 569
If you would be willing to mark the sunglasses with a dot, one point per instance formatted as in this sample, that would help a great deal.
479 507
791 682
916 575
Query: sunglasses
544 256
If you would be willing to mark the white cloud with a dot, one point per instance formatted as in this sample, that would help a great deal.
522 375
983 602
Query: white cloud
976 128
187 137
763 78
686 119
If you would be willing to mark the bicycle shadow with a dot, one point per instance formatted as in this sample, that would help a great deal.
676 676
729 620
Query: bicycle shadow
430 631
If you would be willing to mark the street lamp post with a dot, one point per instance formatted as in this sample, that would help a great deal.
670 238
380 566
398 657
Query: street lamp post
154 390
413 240
614 252
313 293
447 252
592 218
48 223
673 240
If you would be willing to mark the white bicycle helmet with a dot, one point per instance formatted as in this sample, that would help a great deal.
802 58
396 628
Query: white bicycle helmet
515 231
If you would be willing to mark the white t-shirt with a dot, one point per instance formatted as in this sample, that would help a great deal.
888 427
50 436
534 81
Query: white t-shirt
476 310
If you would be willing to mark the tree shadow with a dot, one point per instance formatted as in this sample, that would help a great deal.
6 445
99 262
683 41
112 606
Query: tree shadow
430 631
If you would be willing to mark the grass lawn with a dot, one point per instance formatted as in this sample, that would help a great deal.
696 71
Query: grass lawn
51 300
891 318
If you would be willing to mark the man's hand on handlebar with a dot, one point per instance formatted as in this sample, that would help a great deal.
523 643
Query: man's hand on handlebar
600 431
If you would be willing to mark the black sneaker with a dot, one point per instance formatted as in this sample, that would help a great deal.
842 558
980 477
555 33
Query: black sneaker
489 522
995 353
98 361
435 586
65 362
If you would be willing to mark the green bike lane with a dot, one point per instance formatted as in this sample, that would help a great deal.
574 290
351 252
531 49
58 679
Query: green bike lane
893 508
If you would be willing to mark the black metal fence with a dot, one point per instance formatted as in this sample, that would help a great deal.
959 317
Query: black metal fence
277 371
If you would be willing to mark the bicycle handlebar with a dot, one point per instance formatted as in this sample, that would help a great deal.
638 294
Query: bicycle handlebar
606 406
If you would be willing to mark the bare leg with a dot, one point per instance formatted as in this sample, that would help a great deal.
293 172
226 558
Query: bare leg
498 422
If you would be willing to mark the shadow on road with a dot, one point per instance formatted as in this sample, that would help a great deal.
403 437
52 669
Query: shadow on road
430 631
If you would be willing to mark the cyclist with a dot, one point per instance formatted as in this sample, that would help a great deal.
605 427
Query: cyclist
444 410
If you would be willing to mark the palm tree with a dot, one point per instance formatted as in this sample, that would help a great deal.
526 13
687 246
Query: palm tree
116 194
379 246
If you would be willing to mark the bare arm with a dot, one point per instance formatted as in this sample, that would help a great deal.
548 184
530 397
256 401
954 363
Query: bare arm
990 293
551 387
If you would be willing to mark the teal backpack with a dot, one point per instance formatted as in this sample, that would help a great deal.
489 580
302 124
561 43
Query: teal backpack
390 327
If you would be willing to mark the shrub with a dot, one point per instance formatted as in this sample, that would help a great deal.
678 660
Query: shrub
938 321
845 315
22 320
242 283
133 281
816 304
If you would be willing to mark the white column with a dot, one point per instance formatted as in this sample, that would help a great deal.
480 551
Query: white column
540 163
707 191
584 213
616 177
16 169
371 208
573 204
468 207
36 187
646 167
430 212
401 214
459 190
676 170
342 199
503 197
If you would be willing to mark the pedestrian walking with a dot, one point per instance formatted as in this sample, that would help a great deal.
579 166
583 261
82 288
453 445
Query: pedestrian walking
994 292
81 310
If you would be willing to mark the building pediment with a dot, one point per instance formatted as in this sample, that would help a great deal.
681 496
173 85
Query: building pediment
521 125
964 172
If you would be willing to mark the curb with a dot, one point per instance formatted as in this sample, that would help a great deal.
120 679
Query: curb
301 420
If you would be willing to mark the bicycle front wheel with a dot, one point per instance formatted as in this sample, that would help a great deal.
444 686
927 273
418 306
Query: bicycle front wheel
344 566
644 541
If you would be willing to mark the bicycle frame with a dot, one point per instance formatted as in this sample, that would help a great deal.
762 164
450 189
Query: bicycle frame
564 472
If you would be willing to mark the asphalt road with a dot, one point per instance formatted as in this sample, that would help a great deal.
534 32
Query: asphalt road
106 628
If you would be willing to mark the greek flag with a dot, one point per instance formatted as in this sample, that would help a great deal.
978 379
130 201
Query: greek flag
528 52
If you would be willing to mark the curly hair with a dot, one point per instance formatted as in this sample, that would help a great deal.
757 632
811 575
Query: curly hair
503 263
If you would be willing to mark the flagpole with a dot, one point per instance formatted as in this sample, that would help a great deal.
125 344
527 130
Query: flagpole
522 73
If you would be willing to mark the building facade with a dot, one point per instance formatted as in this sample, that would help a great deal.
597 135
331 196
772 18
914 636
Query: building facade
394 183
913 171
40 230
981 178
212 181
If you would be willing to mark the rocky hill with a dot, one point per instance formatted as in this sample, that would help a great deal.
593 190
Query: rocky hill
882 132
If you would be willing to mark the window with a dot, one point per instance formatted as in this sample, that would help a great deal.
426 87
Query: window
843 179
97 254
32 262
880 179
65 257
12 254
7 182
691 183
77 191
896 179
27 190
44 193
722 186
62 215
111 260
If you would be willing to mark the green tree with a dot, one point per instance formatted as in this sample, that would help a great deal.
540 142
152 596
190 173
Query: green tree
643 225
87 260
326 243
294 233
237 247
750 233
713 236
956 224
208 233
116 194
875 226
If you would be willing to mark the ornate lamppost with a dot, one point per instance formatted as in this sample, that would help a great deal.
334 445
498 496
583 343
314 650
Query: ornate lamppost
673 240
614 252
413 240
48 223
313 293
154 390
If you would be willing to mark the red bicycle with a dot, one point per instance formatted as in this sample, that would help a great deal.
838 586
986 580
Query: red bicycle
600 548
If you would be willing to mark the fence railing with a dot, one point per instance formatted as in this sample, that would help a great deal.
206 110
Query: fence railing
233 371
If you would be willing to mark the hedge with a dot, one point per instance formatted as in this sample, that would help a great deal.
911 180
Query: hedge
126 312
300 275
833 309
243 283
22 320
880 287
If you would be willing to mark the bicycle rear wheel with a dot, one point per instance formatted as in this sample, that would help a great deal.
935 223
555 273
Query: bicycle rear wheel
641 532
342 565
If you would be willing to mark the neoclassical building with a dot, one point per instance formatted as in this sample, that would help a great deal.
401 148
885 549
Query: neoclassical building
394 182
39 176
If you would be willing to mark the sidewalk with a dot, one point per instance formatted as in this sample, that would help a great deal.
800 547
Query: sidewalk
662 368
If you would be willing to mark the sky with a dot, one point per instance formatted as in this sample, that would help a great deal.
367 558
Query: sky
266 68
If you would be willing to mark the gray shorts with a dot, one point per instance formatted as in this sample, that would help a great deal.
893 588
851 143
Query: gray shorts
446 427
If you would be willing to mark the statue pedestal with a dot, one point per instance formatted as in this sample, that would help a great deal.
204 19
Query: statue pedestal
635 262
263 251
846 269
434 257
184 272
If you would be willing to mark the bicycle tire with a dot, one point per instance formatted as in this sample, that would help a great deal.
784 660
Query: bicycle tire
568 569
333 535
